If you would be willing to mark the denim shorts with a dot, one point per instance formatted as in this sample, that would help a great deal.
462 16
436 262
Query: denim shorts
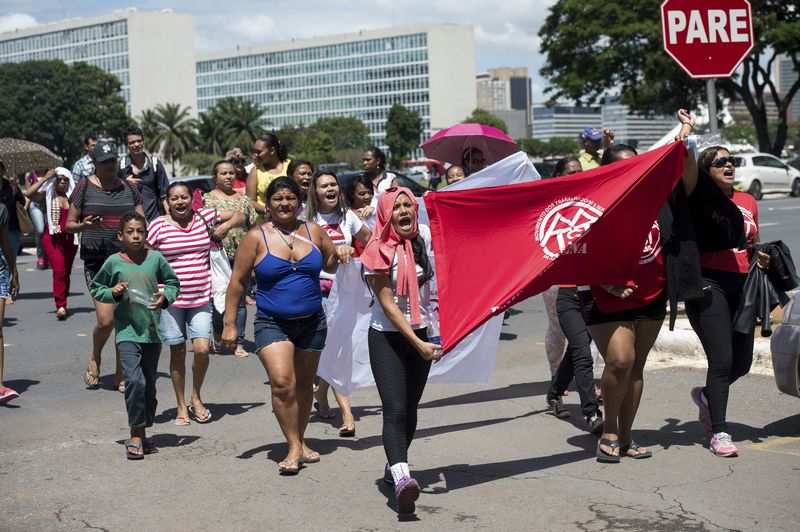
174 321
5 288
307 333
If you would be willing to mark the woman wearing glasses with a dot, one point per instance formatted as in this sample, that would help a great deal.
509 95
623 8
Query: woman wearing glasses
729 353
238 160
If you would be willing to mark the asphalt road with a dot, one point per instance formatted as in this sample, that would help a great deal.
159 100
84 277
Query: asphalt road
487 457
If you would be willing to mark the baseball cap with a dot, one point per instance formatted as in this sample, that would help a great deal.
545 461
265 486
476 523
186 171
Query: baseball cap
592 133
104 151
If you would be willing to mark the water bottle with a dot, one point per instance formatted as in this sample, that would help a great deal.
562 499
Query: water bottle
140 297
434 336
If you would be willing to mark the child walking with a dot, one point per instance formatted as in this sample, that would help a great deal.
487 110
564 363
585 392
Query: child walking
130 280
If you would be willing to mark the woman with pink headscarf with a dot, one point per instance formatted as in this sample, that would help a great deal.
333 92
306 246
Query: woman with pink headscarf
398 272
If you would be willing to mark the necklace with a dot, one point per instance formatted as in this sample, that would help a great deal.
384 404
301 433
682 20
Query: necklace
289 243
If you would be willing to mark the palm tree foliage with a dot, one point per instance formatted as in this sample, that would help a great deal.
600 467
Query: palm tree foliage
231 123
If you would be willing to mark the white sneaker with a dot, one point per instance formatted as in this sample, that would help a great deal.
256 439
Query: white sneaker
721 445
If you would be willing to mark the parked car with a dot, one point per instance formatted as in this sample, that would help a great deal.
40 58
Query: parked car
402 180
762 173
795 163
785 347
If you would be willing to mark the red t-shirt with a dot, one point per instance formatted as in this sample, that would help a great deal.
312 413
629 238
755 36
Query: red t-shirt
650 277
734 260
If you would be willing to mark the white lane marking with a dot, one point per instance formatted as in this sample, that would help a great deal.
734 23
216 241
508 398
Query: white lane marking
767 224
792 208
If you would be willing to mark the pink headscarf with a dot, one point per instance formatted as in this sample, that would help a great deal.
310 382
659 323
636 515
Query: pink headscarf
385 243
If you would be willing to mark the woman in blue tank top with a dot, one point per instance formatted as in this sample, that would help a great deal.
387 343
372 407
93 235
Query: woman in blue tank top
290 328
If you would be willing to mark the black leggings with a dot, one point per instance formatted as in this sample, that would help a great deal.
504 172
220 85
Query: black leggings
400 374
729 353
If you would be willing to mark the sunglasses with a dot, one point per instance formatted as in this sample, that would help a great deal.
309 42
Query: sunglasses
236 161
723 161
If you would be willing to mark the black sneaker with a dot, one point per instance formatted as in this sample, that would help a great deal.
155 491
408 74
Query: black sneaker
595 422
557 407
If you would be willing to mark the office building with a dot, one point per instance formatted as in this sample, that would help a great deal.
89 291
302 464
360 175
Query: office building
786 76
427 68
152 54
506 93
563 120
638 131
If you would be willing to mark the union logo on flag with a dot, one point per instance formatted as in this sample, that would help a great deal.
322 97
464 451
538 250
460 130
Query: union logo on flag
563 222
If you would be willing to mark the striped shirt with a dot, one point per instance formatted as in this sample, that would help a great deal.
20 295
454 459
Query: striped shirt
99 243
186 250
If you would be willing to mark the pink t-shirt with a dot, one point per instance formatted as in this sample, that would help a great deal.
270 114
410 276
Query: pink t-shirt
186 250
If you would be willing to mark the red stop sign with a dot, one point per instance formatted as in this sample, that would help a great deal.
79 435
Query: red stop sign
710 38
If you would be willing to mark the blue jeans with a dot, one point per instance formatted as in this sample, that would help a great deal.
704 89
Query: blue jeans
37 217
140 369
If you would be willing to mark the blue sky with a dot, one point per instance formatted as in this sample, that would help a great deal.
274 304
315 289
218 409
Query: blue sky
505 31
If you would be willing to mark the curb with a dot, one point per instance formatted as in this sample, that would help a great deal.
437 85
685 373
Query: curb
681 347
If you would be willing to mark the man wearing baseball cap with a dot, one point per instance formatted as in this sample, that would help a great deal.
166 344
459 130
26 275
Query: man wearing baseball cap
590 138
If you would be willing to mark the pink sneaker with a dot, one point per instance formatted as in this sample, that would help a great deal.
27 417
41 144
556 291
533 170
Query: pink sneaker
7 394
721 445
407 492
704 414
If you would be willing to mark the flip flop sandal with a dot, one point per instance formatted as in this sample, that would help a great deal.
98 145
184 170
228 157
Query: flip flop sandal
633 446
344 432
289 467
182 421
196 415
324 414
89 375
603 456
312 457
130 445
150 447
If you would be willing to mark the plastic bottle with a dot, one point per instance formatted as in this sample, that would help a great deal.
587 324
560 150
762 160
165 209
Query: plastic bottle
140 297
434 337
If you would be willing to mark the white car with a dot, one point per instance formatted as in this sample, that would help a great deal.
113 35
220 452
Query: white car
762 173
785 347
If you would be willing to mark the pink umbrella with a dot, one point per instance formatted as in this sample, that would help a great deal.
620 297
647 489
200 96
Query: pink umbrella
449 144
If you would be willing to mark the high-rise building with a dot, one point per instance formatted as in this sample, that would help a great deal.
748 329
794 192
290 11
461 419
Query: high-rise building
563 120
638 131
427 68
152 54
786 76
506 93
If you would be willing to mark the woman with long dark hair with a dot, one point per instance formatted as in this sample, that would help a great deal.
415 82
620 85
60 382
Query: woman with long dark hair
729 353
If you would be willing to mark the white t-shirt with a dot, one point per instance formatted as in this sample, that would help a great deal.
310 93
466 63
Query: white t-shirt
382 186
380 321
340 231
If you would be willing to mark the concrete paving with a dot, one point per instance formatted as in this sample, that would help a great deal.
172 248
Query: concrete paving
487 457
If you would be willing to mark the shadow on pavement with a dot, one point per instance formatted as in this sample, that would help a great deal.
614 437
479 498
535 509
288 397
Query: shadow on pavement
330 445
20 385
218 411
170 440
508 336
513 391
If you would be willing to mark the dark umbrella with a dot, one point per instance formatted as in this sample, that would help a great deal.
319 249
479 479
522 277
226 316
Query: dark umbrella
20 156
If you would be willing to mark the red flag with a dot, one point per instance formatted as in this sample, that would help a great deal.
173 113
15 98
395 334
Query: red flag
497 246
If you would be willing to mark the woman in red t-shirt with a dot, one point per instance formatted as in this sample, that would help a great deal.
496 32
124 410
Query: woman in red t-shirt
624 322
729 353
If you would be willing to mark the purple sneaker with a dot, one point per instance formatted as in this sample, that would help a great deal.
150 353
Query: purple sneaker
721 445
406 491
704 414
387 475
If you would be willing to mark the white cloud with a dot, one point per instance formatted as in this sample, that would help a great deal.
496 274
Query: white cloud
510 37
17 21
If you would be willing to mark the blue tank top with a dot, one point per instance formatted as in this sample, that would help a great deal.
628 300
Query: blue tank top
285 289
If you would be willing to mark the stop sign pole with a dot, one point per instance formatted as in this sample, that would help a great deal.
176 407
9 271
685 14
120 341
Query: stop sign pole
708 39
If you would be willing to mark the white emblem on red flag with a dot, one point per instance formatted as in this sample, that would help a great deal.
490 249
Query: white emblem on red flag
563 222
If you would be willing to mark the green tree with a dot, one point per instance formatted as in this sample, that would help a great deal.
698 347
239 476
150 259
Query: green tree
199 162
562 146
243 121
56 105
482 116
594 47
315 146
403 131
346 132
213 133
176 132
